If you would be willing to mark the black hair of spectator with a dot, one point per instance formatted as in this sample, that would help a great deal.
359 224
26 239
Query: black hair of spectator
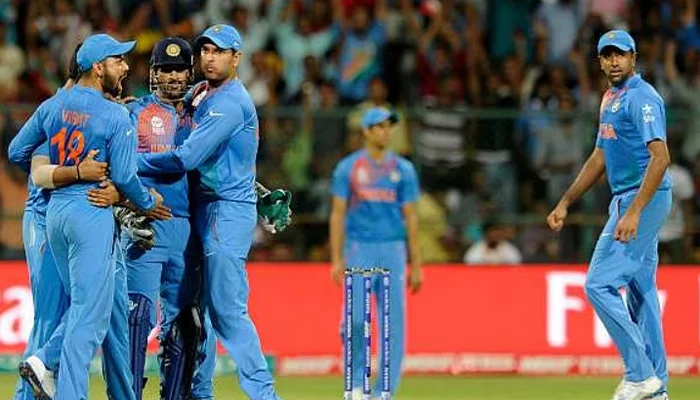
73 68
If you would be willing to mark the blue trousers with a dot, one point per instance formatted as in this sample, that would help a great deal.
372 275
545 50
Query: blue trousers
82 239
635 329
391 256
115 348
48 296
171 272
226 230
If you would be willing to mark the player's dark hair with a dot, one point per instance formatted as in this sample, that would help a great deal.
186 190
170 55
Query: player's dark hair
73 68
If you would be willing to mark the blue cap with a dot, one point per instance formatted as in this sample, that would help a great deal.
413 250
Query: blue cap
377 115
223 36
97 48
617 38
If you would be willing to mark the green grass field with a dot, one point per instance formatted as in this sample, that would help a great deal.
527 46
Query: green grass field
426 388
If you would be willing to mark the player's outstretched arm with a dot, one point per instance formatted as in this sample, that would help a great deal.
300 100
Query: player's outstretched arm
591 172
50 176
223 121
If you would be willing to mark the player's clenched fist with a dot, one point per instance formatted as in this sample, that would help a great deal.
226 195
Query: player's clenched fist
556 218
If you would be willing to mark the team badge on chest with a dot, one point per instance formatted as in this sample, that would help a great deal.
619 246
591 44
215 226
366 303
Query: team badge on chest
157 125
394 176
615 106
362 175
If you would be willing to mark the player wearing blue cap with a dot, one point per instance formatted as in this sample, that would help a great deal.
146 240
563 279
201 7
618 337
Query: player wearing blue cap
44 346
82 237
373 213
631 149
223 146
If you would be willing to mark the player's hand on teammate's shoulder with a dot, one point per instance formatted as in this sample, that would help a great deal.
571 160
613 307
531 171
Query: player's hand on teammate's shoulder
91 170
106 195
556 218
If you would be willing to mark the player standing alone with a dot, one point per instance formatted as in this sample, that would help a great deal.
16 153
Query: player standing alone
631 149
373 211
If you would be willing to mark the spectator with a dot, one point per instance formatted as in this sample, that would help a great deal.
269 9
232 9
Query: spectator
558 23
433 228
687 92
494 248
472 208
295 43
675 236
495 152
559 151
506 19
441 139
360 56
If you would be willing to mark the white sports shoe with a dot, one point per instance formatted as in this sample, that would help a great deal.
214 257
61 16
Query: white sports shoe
38 377
638 390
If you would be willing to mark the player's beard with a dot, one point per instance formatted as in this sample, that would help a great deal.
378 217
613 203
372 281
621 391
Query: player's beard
112 85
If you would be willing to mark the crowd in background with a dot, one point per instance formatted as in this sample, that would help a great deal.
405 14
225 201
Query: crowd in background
498 102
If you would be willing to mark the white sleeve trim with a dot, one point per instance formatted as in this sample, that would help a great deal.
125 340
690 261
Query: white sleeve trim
43 176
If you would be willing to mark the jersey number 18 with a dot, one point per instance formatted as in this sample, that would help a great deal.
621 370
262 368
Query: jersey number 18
70 147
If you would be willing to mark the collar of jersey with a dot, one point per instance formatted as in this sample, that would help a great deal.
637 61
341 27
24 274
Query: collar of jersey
160 102
632 79
88 89
383 163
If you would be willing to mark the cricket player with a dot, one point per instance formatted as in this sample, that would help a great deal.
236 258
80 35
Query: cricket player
48 297
373 213
50 300
164 272
37 369
222 147
82 237
631 149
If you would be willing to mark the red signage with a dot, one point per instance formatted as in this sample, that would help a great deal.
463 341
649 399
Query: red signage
528 319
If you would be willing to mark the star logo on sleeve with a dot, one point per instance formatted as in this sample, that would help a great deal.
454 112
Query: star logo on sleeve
648 116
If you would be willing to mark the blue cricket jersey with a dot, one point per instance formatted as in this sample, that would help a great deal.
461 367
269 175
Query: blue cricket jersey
375 194
222 146
75 121
160 127
631 115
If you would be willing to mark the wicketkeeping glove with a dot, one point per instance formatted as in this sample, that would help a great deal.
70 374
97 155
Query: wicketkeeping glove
274 210
137 227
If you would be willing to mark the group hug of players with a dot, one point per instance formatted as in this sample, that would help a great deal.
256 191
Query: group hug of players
177 170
